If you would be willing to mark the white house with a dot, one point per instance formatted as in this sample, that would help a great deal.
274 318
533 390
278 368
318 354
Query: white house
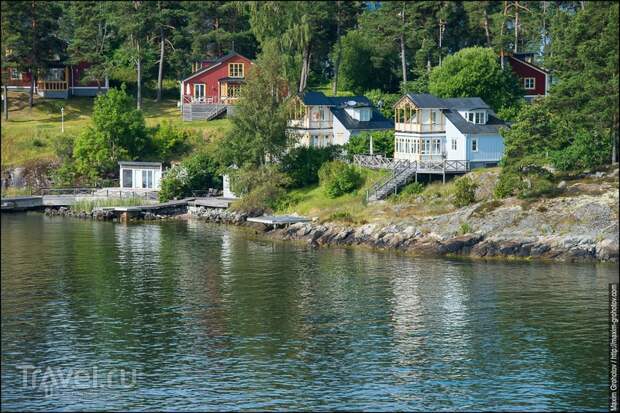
455 129
318 120
140 175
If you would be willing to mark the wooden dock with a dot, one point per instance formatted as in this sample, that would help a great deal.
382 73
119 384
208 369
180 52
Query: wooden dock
212 202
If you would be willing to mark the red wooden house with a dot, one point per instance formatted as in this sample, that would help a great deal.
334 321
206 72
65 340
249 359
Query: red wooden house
214 86
534 79
59 81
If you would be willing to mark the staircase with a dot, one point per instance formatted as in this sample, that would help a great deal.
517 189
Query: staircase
402 173
202 111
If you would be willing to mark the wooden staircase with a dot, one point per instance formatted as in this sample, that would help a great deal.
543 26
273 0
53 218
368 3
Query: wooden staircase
202 111
402 173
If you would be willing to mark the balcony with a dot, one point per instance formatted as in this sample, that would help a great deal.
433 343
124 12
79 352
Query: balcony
420 127
52 85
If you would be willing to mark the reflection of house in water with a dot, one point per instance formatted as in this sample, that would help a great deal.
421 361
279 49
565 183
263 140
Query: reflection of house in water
139 247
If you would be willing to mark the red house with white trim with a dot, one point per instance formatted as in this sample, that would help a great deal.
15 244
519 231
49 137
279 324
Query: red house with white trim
214 86
59 81
534 80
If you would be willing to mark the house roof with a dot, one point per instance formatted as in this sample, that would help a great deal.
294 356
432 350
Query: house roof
493 124
377 120
465 103
315 98
141 164
425 100
215 63
520 58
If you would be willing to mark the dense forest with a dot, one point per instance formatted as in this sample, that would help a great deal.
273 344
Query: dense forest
381 49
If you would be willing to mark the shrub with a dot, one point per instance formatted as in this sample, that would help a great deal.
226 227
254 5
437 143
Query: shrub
465 191
170 141
342 216
302 164
261 188
197 172
339 178
588 150
509 184
414 188
382 143
465 228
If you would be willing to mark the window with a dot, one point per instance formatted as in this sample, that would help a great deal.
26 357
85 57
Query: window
315 141
16 74
529 83
470 116
426 146
479 117
127 178
474 144
433 117
199 92
321 114
416 146
147 179
454 144
436 149
235 69
233 91
55 74
364 115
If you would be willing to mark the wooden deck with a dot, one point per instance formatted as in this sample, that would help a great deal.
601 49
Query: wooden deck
211 202
279 220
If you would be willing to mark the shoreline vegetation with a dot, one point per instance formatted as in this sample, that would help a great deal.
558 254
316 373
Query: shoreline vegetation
579 223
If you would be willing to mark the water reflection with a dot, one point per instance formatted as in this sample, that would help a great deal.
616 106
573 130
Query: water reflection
211 319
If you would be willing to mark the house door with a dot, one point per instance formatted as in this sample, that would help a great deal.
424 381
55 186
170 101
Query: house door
199 92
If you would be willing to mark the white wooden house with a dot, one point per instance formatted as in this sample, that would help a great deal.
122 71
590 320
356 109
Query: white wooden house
428 128
318 120
140 175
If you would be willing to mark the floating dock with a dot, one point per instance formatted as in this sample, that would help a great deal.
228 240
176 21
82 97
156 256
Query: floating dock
279 220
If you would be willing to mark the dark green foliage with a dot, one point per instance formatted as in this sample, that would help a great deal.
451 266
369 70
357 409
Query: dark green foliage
195 173
339 178
383 101
302 164
382 143
464 192
414 188
588 150
262 188
475 71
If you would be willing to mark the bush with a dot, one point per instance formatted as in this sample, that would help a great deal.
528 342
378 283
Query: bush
414 188
302 164
509 184
465 191
382 143
465 228
339 178
198 172
170 141
261 188
588 150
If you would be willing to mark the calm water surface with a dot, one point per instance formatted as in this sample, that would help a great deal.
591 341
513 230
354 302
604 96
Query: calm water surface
207 319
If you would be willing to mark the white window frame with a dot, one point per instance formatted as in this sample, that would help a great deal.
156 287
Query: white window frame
433 117
526 81
236 70
436 147
474 144
197 86
454 144
16 74
470 117
479 117
426 147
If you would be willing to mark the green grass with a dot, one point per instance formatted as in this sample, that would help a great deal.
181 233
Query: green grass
89 205
28 134
313 201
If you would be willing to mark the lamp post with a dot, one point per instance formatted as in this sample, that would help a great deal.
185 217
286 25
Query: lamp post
62 119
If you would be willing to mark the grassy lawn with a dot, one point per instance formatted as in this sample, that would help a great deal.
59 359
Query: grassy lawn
28 134
312 201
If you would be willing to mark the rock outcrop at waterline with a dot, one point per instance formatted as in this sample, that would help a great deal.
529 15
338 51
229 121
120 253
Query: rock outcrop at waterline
576 228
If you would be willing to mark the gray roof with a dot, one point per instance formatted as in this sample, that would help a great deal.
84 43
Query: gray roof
377 120
466 103
138 163
315 98
424 100
493 124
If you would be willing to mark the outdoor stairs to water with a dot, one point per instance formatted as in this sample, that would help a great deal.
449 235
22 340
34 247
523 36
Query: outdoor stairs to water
202 111
402 173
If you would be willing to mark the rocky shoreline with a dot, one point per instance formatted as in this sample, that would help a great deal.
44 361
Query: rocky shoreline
571 229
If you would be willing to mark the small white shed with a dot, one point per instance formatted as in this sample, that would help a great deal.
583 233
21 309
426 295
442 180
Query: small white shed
140 175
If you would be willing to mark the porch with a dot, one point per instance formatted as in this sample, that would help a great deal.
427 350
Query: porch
53 88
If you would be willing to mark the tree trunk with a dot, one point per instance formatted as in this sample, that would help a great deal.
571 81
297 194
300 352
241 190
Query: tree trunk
6 102
403 58
338 52
31 97
139 82
160 73
486 28
516 26
304 68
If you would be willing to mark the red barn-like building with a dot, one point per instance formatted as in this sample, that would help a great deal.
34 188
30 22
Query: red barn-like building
214 86
533 79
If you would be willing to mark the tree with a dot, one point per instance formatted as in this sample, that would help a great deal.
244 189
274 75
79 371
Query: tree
30 36
258 128
118 132
90 39
475 71
136 23
346 17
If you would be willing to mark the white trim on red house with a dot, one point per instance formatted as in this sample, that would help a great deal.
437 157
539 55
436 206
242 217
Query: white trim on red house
201 71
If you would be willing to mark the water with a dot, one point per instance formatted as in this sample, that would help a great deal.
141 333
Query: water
210 319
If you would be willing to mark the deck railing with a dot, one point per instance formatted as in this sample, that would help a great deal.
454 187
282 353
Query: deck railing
51 85
208 100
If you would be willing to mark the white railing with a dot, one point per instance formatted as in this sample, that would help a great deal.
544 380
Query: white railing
419 127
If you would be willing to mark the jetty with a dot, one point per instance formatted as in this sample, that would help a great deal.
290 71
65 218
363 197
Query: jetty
279 220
